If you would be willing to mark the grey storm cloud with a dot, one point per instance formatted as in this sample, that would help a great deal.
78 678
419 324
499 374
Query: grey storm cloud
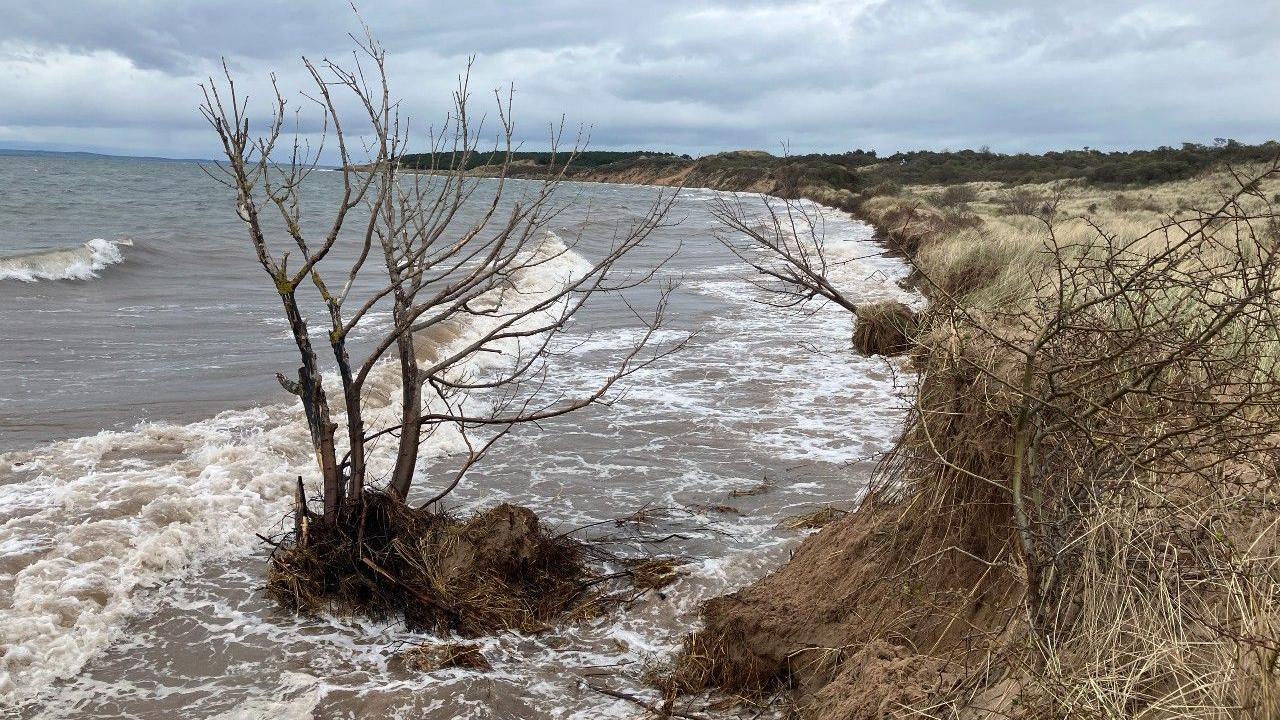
689 76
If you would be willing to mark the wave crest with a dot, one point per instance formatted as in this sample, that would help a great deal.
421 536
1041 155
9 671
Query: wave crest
82 263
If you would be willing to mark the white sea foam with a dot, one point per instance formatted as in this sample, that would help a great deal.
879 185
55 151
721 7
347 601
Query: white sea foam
749 394
295 699
90 522
82 263
111 528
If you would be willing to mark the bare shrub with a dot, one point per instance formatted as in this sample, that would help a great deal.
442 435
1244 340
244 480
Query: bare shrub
472 309
1021 201
1123 203
1136 402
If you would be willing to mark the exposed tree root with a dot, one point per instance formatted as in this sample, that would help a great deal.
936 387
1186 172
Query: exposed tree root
496 571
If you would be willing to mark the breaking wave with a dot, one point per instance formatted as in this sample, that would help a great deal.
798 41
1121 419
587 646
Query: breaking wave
85 524
82 263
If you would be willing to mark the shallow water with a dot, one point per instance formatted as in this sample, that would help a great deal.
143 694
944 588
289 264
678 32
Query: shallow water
130 575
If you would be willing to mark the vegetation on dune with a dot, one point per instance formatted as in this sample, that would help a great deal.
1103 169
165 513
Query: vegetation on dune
1133 167
1079 519
846 179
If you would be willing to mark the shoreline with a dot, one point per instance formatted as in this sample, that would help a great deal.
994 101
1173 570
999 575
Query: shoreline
118 447
770 628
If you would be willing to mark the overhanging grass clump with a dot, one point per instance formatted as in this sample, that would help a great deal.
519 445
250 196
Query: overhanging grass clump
498 570
722 658
884 328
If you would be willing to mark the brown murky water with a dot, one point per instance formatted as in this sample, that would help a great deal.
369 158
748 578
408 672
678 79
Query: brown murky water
130 572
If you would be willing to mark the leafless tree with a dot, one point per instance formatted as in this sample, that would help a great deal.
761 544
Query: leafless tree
784 242
412 246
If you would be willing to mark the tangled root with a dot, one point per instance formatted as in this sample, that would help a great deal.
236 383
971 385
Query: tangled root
496 571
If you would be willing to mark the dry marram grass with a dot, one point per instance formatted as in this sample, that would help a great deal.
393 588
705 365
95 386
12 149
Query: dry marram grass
1081 516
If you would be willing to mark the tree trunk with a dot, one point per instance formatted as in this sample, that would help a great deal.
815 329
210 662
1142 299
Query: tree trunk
355 421
311 391
411 428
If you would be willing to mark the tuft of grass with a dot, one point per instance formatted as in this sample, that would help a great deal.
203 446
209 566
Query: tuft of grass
884 328
656 573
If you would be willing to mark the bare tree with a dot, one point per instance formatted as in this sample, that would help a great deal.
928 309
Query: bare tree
783 241
408 251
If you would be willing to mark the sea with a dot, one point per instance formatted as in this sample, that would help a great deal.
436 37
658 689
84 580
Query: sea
146 450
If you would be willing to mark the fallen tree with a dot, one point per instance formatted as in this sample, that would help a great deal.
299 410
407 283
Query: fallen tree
470 287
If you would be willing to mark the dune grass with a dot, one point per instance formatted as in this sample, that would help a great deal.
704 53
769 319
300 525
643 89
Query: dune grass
1098 377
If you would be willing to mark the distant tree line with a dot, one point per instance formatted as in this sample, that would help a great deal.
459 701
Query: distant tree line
1135 167
583 160
926 167
865 172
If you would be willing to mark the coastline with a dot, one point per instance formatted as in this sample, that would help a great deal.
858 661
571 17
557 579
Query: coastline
778 632
929 598
759 515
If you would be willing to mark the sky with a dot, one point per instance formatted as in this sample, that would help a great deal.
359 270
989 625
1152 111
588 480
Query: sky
686 76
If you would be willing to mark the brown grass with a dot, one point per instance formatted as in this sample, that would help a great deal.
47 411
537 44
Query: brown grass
430 657
1134 568
814 519
884 328
655 573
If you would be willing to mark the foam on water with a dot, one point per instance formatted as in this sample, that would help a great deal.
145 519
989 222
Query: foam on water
89 522
756 394
82 263
119 511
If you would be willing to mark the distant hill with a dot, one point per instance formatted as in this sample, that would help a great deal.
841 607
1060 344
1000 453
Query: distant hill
10 152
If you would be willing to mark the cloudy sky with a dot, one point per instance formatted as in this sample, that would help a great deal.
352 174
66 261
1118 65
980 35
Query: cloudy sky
685 75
